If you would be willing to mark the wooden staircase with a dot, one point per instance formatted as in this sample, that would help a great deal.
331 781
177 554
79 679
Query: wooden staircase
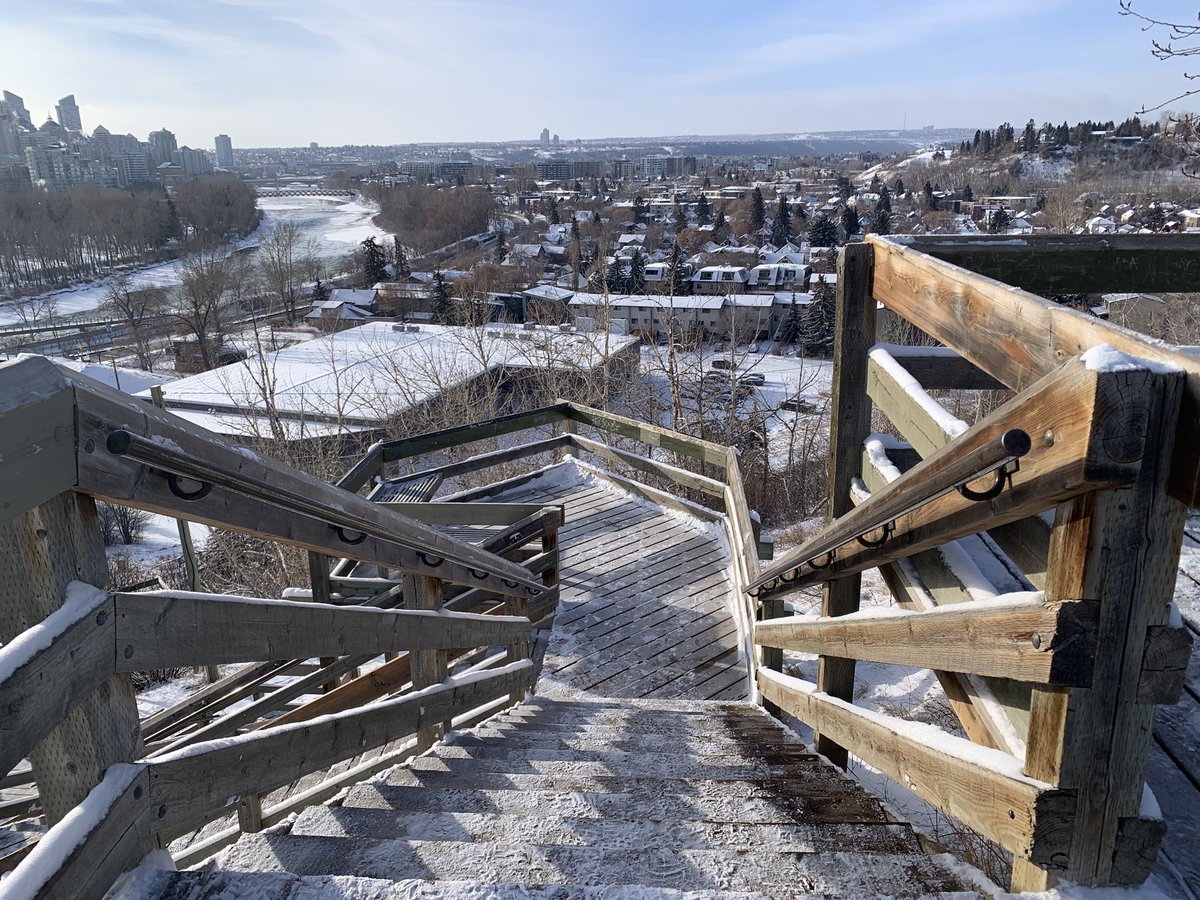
559 798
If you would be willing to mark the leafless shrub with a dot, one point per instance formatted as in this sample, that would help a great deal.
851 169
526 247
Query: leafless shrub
121 524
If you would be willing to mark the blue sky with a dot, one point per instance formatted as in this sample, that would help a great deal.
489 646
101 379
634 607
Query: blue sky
286 72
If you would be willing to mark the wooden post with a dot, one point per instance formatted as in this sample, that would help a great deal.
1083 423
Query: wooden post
850 425
318 576
1121 548
772 657
250 813
41 552
428 666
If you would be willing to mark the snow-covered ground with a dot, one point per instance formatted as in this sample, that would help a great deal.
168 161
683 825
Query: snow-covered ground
336 224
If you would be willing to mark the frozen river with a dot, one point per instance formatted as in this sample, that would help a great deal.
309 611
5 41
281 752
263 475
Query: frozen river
336 224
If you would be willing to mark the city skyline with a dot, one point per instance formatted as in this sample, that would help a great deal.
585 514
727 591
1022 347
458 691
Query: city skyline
501 71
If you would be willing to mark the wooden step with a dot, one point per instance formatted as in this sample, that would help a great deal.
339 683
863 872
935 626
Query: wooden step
779 874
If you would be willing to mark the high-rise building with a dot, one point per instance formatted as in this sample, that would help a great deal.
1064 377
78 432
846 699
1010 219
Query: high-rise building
193 162
54 168
132 165
224 151
68 114
162 146
556 142
545 138
17 105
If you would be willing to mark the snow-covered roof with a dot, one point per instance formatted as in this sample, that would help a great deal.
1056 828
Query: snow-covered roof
548 292
650 301
364 375
362 297
131 381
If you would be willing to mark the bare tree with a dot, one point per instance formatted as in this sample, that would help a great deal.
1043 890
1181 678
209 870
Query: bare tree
287 260
137 309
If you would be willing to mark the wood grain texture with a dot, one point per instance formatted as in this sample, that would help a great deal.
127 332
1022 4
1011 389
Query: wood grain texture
43 691
1020 815
155 631
41 552
652 435
1121 547
1018 337
850 423
1075 264
1083 440
682 477
405 448
184 787
1033 642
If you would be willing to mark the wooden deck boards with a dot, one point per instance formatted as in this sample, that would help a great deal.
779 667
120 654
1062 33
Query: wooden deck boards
645 598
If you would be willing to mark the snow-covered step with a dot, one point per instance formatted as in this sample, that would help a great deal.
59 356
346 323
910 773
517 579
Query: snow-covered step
618 798
463 760
196 885
546 829
704 745
779 874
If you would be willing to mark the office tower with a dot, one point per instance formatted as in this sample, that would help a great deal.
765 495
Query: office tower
68 114
224 151
193 162
18 106
545 138
162 146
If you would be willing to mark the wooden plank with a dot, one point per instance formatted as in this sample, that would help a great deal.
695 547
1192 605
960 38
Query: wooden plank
1020 814
469 513
850 423
1042 643
469 434
429 666
112 842
486 460
652 435
1018 337
940 368
1086 437
206 701
679 476
1120 547
187 784
41 552
37 442
1075 264
926 581
914 413
161 630
45 686
390 539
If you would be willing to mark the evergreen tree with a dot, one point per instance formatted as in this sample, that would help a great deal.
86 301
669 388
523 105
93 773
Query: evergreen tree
320 292
790 328
850 222
637 273
574 229
898 187
679 216
554 219
1029 138
614 277
1154 218
781 228
931 202
440 302
968 194
1000 221
885 199
680 285
758 211
403 269
822 232
703 211
882 223
720 223
371 263
577 188
876 184
707 183
845 189
501 248
819 323
639 208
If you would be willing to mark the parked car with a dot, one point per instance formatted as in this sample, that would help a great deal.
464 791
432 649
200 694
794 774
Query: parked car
755 378
722 364
797 404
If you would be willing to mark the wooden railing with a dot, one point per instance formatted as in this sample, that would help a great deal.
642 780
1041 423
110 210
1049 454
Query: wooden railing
1054 676
113 788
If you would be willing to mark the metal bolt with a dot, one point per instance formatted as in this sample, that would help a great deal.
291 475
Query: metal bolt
162 811
137 792
1037 641
129 651
89 446
101 618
